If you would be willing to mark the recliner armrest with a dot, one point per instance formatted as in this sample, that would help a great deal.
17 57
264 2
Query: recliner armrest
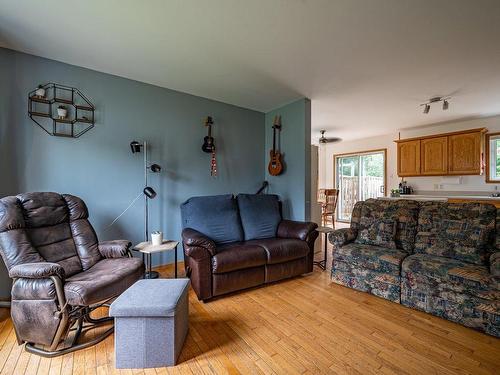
39 270
193 238
115 248
296 229
341 237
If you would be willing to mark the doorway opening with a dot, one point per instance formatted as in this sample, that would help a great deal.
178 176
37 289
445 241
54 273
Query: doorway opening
359 176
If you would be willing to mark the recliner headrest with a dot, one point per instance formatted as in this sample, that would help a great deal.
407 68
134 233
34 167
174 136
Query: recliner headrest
43 209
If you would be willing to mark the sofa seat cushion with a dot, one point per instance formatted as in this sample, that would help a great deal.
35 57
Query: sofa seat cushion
377 283
370 257
281 250
106 279
238 256
438 275
471 311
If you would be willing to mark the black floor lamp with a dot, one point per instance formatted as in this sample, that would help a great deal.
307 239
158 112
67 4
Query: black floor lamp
149 192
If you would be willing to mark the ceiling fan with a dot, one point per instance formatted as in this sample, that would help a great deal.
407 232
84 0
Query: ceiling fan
324 140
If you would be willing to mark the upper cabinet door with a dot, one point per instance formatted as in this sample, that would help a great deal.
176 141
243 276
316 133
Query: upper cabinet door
434 153
464 153
409 158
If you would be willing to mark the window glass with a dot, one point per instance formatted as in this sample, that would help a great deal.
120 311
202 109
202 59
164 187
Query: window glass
494 158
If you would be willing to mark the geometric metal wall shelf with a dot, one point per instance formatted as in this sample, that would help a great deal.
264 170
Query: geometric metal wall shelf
43 110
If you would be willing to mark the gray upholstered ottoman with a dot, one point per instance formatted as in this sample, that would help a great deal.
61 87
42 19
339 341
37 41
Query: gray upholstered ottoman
151 323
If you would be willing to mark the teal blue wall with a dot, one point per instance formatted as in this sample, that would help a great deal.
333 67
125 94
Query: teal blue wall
8 183
99 166
294 184
7 172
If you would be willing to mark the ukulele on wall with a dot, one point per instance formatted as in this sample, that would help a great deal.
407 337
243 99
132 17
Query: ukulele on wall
209 146
275 166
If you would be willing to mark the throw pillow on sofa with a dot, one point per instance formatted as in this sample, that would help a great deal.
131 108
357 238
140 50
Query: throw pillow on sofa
260 215
381 232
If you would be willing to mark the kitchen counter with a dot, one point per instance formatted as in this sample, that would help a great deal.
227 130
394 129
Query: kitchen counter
450 198
429 196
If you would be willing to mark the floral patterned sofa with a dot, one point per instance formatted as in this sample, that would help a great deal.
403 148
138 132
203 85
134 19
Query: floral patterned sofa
442 258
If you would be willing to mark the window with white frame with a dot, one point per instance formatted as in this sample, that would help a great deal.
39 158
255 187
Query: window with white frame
494 158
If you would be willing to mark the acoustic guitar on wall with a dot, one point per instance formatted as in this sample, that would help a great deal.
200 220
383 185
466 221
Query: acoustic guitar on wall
208 142
209 146
275 166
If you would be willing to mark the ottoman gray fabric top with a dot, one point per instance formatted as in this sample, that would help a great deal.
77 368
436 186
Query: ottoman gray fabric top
156 298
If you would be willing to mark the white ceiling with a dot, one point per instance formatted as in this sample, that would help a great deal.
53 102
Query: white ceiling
365 64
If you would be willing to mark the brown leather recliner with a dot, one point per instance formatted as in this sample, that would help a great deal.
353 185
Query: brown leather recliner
60 272
232 244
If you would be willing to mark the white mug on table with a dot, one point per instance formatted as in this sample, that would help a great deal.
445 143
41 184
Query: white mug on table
156 238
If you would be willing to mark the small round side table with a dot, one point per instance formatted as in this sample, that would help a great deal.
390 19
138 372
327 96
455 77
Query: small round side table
147 249
325 230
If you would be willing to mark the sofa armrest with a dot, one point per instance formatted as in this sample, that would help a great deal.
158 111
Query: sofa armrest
296 229
193 239
39 270
341 237
115 249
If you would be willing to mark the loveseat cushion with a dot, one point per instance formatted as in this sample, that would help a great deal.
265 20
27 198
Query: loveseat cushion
403 212
260 215
107 278
281 250
437 275
370 257
214 216
458 231
232 257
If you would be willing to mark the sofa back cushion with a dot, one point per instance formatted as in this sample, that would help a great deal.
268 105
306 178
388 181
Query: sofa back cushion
215 216
260 215
461 231
404 213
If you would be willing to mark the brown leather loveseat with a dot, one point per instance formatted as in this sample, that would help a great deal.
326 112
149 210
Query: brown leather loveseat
237 243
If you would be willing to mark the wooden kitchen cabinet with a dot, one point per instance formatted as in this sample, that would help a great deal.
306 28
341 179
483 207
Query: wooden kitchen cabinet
409 158
464 153
457 153
434 155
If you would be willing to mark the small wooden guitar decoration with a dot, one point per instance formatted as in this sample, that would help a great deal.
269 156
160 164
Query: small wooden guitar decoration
209 146
275 166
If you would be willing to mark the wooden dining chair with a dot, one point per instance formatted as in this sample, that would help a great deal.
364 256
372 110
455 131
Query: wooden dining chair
328 207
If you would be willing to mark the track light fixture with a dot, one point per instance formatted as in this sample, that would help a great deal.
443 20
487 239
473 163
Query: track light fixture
436 99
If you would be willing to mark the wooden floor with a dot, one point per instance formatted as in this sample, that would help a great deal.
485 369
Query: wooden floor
301 326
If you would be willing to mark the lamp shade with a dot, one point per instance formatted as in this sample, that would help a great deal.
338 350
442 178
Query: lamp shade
155 168
149 192
135 147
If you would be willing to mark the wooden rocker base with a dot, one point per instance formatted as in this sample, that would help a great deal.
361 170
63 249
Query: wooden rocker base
80 327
